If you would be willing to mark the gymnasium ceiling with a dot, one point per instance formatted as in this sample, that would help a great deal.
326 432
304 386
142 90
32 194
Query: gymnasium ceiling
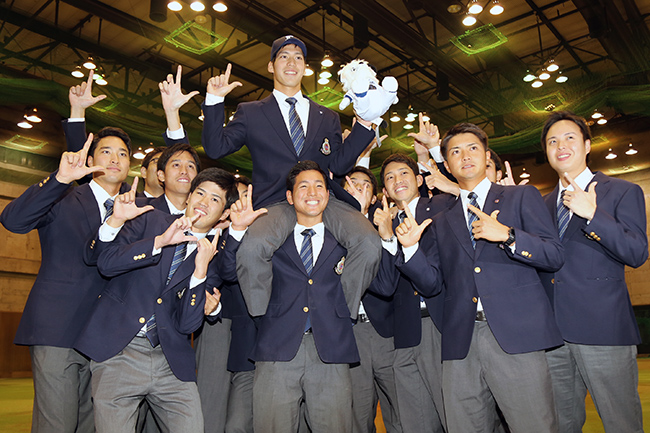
602 46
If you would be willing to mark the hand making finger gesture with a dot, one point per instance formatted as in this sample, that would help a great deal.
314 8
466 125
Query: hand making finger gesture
384 220
360 193
409 232
205 252
172 93
211 301
438 180
426 138
81 97
175 233
580 202
220 86
73 164
241 212
125 208
510 179
488 227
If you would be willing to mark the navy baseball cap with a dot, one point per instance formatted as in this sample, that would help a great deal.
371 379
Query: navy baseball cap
287 40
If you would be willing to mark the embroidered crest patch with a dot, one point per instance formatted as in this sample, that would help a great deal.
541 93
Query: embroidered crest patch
339 266
325 148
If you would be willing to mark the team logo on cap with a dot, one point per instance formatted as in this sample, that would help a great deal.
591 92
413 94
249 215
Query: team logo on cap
325 148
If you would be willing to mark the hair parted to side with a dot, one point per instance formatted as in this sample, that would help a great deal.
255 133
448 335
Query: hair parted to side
304 166
463 128
402 158
222 178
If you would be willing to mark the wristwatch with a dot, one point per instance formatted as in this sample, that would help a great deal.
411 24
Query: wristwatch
511 237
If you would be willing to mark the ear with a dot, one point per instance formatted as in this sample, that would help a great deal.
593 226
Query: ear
89 161
143 172
374 199
499 175
290 198
224 215
270 67
587 146
161 176
383 190
419 179
446 166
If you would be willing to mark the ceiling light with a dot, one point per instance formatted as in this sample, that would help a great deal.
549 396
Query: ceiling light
327 62
148 149
408 126
90 63
197 6
101 80
469 20
219 7
411 116
529 77
544 75
32 116
201 117
552 66
308 71
537 84
631 150
497 8
395 117
323 81
475 7
139 154
601 121
524 174
25 124
175 6
454 8
325 74
425 118
610 155
596 115
77 72
561 78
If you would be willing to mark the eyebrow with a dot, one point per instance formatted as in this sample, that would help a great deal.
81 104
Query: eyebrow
209 193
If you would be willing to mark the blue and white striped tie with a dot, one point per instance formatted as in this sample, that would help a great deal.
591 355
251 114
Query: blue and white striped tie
471 216
307 257
563 215
295 127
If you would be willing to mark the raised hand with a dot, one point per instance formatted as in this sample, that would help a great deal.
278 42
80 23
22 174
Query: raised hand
205 251
427 137
360 193
73 164
241 212
409 232
580 202
81 97
438 180
172 93
488 227
383 219
220 86
124 207
211 301
175 233
510 179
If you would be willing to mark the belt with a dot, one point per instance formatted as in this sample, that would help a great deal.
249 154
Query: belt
424 312
480 316
363 318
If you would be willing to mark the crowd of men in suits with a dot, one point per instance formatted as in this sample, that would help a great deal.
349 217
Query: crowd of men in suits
297 301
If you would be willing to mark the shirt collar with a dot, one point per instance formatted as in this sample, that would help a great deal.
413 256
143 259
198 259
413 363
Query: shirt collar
413 205
282 98
582 180
172 208
318 228
100 193
481 190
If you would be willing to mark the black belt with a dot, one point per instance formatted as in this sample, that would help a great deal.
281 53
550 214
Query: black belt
424 312
363 318
480 316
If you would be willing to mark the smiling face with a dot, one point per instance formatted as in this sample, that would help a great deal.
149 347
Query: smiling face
566 149
208 201
288 68
400 183
178 173
466 160
112 153
309 197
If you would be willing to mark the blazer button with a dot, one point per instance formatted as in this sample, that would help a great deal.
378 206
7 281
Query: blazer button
310 281
593 234
475 299
477 270
305 309
415 293
193 295
136 257
552 280
142 320
159 301
99 296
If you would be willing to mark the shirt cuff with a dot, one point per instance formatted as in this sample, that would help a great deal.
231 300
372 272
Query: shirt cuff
237 234
390 246
194 282
179 134
410 251
217 311
364 162
108 233
76 119
156 251
211 99
423 169
436 154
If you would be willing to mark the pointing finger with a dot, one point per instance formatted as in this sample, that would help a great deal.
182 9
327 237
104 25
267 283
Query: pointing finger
179 71
408 211
476 211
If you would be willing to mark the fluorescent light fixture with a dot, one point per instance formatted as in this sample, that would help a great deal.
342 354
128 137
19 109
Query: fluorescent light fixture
524 174
139 154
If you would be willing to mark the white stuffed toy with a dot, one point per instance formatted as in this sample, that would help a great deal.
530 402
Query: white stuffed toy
370 100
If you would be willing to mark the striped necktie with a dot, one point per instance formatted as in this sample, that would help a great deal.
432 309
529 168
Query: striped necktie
108 205
563 216
295 127
307 257
471 216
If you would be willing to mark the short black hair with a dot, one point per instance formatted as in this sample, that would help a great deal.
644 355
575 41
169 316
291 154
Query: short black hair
304 166
463 128
556 116
367 172
498 165
399 157
173 150
109 131
225 180
243 180
149 156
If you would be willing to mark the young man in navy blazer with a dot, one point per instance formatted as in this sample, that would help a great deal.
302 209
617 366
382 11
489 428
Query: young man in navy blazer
497 319
602 225
279 133
59 303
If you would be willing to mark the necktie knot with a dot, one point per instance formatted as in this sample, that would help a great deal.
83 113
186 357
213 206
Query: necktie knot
291 101
108 205
401 216
308 232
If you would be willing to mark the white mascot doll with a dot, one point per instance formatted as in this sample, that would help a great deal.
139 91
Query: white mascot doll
370 100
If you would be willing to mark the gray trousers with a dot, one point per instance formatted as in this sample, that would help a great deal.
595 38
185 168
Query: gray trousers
521 384
280 387
139 372
62 400
418 379
212 377
350 228
374 379
240 403
611 375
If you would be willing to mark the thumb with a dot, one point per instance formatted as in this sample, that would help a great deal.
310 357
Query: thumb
99 98
192 94
592 188
495 213
426 223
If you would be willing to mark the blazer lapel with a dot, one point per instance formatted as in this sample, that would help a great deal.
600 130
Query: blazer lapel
290 249
89 205
272 112
458 224
315 121
329 243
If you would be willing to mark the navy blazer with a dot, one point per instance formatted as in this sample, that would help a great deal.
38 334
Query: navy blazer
59 303
138 289
294 294
259 125
513 298
589 295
